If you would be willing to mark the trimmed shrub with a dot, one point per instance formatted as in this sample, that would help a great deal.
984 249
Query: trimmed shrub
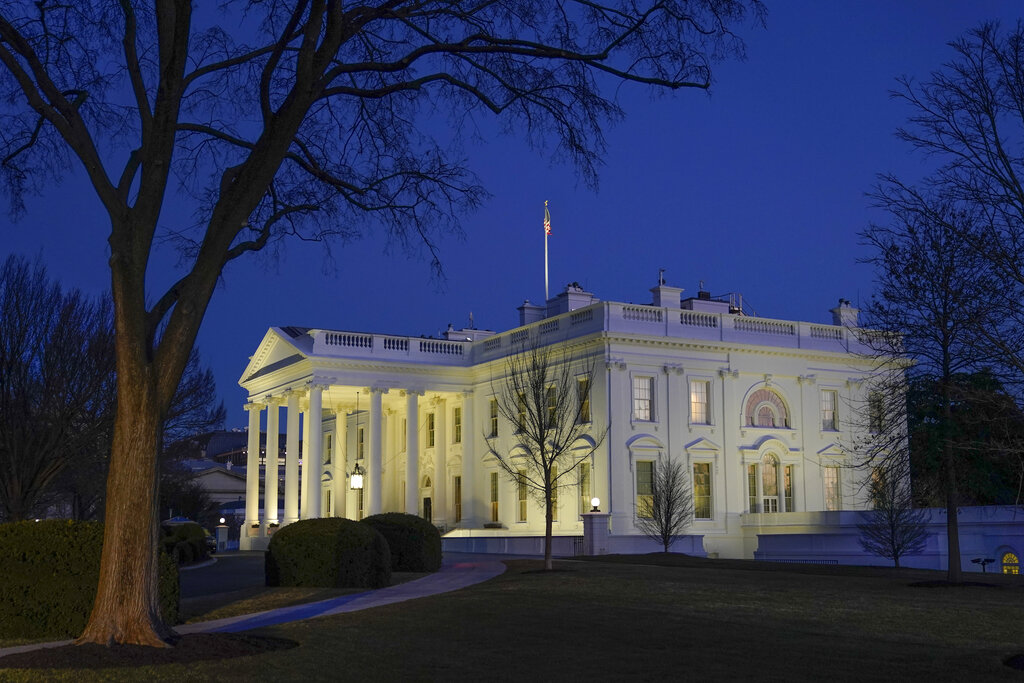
414 542
50 571
188 533
330 552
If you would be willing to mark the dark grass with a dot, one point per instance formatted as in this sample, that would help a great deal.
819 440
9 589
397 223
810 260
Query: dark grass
613 620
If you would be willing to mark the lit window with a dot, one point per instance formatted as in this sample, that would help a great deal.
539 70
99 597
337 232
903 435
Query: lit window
702 490
457 495
552 402
554 493
457 425
494 417
833 492
752 488
770 483
765 408
430 430
787 483
1011 564
829 419
643 398
494 496
583 393
522 490
584 479
876 412
644 488
699 402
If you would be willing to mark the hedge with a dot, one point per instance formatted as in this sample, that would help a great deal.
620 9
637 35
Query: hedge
50 570
185 542
414 542
330 552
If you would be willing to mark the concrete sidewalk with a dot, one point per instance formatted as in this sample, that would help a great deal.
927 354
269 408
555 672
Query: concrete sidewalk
457 571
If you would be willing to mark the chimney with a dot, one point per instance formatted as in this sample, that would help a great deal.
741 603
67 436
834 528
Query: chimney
530 313
844 314
666 296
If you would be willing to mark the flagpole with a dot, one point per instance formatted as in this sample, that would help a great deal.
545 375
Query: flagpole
547 231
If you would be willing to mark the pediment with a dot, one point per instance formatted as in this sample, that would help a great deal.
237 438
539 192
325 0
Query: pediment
702 445
833 450
276 350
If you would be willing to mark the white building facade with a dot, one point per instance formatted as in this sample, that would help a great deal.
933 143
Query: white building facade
752 407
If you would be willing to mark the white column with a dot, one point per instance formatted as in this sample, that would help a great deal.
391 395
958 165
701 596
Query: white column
470 490
439 499
412 451
252 469
374 468
270 472
291 460
313 459
303 469
341 463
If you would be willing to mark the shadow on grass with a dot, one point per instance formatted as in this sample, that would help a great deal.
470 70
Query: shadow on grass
186 649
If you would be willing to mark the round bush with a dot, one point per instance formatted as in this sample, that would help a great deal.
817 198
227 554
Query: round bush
330 552
50 571
415 543
189 533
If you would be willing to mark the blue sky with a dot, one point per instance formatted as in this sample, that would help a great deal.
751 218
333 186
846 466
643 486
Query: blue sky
758 189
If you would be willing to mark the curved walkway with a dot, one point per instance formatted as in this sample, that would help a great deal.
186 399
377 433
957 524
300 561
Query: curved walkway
457 571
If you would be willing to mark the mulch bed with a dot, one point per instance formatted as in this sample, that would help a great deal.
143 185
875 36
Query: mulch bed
187 649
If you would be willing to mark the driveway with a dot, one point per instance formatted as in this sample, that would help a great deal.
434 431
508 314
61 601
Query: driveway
229 572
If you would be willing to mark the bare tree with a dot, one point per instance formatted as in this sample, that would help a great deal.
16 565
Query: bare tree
664 514
307 121
545 394
894 528
56 384
934 293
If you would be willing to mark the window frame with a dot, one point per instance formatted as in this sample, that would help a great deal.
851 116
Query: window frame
583 396
648 484
829 424
706 383
457 424
431 434
832 491
494 497
636 400
710 491
494 417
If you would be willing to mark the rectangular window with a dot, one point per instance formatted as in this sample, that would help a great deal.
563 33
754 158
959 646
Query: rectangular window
327 449
833 492
702 490
360 443
876 412
554 493
457 425
328 512
829 418
359 504
457 495
584 479
643 399
552 401
583 394
752 487
494 417
699 402
494 496
430 430
521 490
521 418
787 486
644 488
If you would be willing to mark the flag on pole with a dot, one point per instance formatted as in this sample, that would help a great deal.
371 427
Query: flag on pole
547 219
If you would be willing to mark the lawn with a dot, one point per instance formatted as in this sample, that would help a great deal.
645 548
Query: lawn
701 620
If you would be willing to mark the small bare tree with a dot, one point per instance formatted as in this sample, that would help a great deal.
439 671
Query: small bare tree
894 528
668 510
545 394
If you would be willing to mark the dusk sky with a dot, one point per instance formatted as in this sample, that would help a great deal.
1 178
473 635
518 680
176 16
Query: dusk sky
757 189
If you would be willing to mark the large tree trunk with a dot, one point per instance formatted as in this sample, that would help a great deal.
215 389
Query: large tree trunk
127 608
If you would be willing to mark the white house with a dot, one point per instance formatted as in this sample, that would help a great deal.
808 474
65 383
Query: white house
752 406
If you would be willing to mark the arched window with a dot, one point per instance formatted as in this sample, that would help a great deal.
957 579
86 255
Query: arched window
1011 563
765 408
